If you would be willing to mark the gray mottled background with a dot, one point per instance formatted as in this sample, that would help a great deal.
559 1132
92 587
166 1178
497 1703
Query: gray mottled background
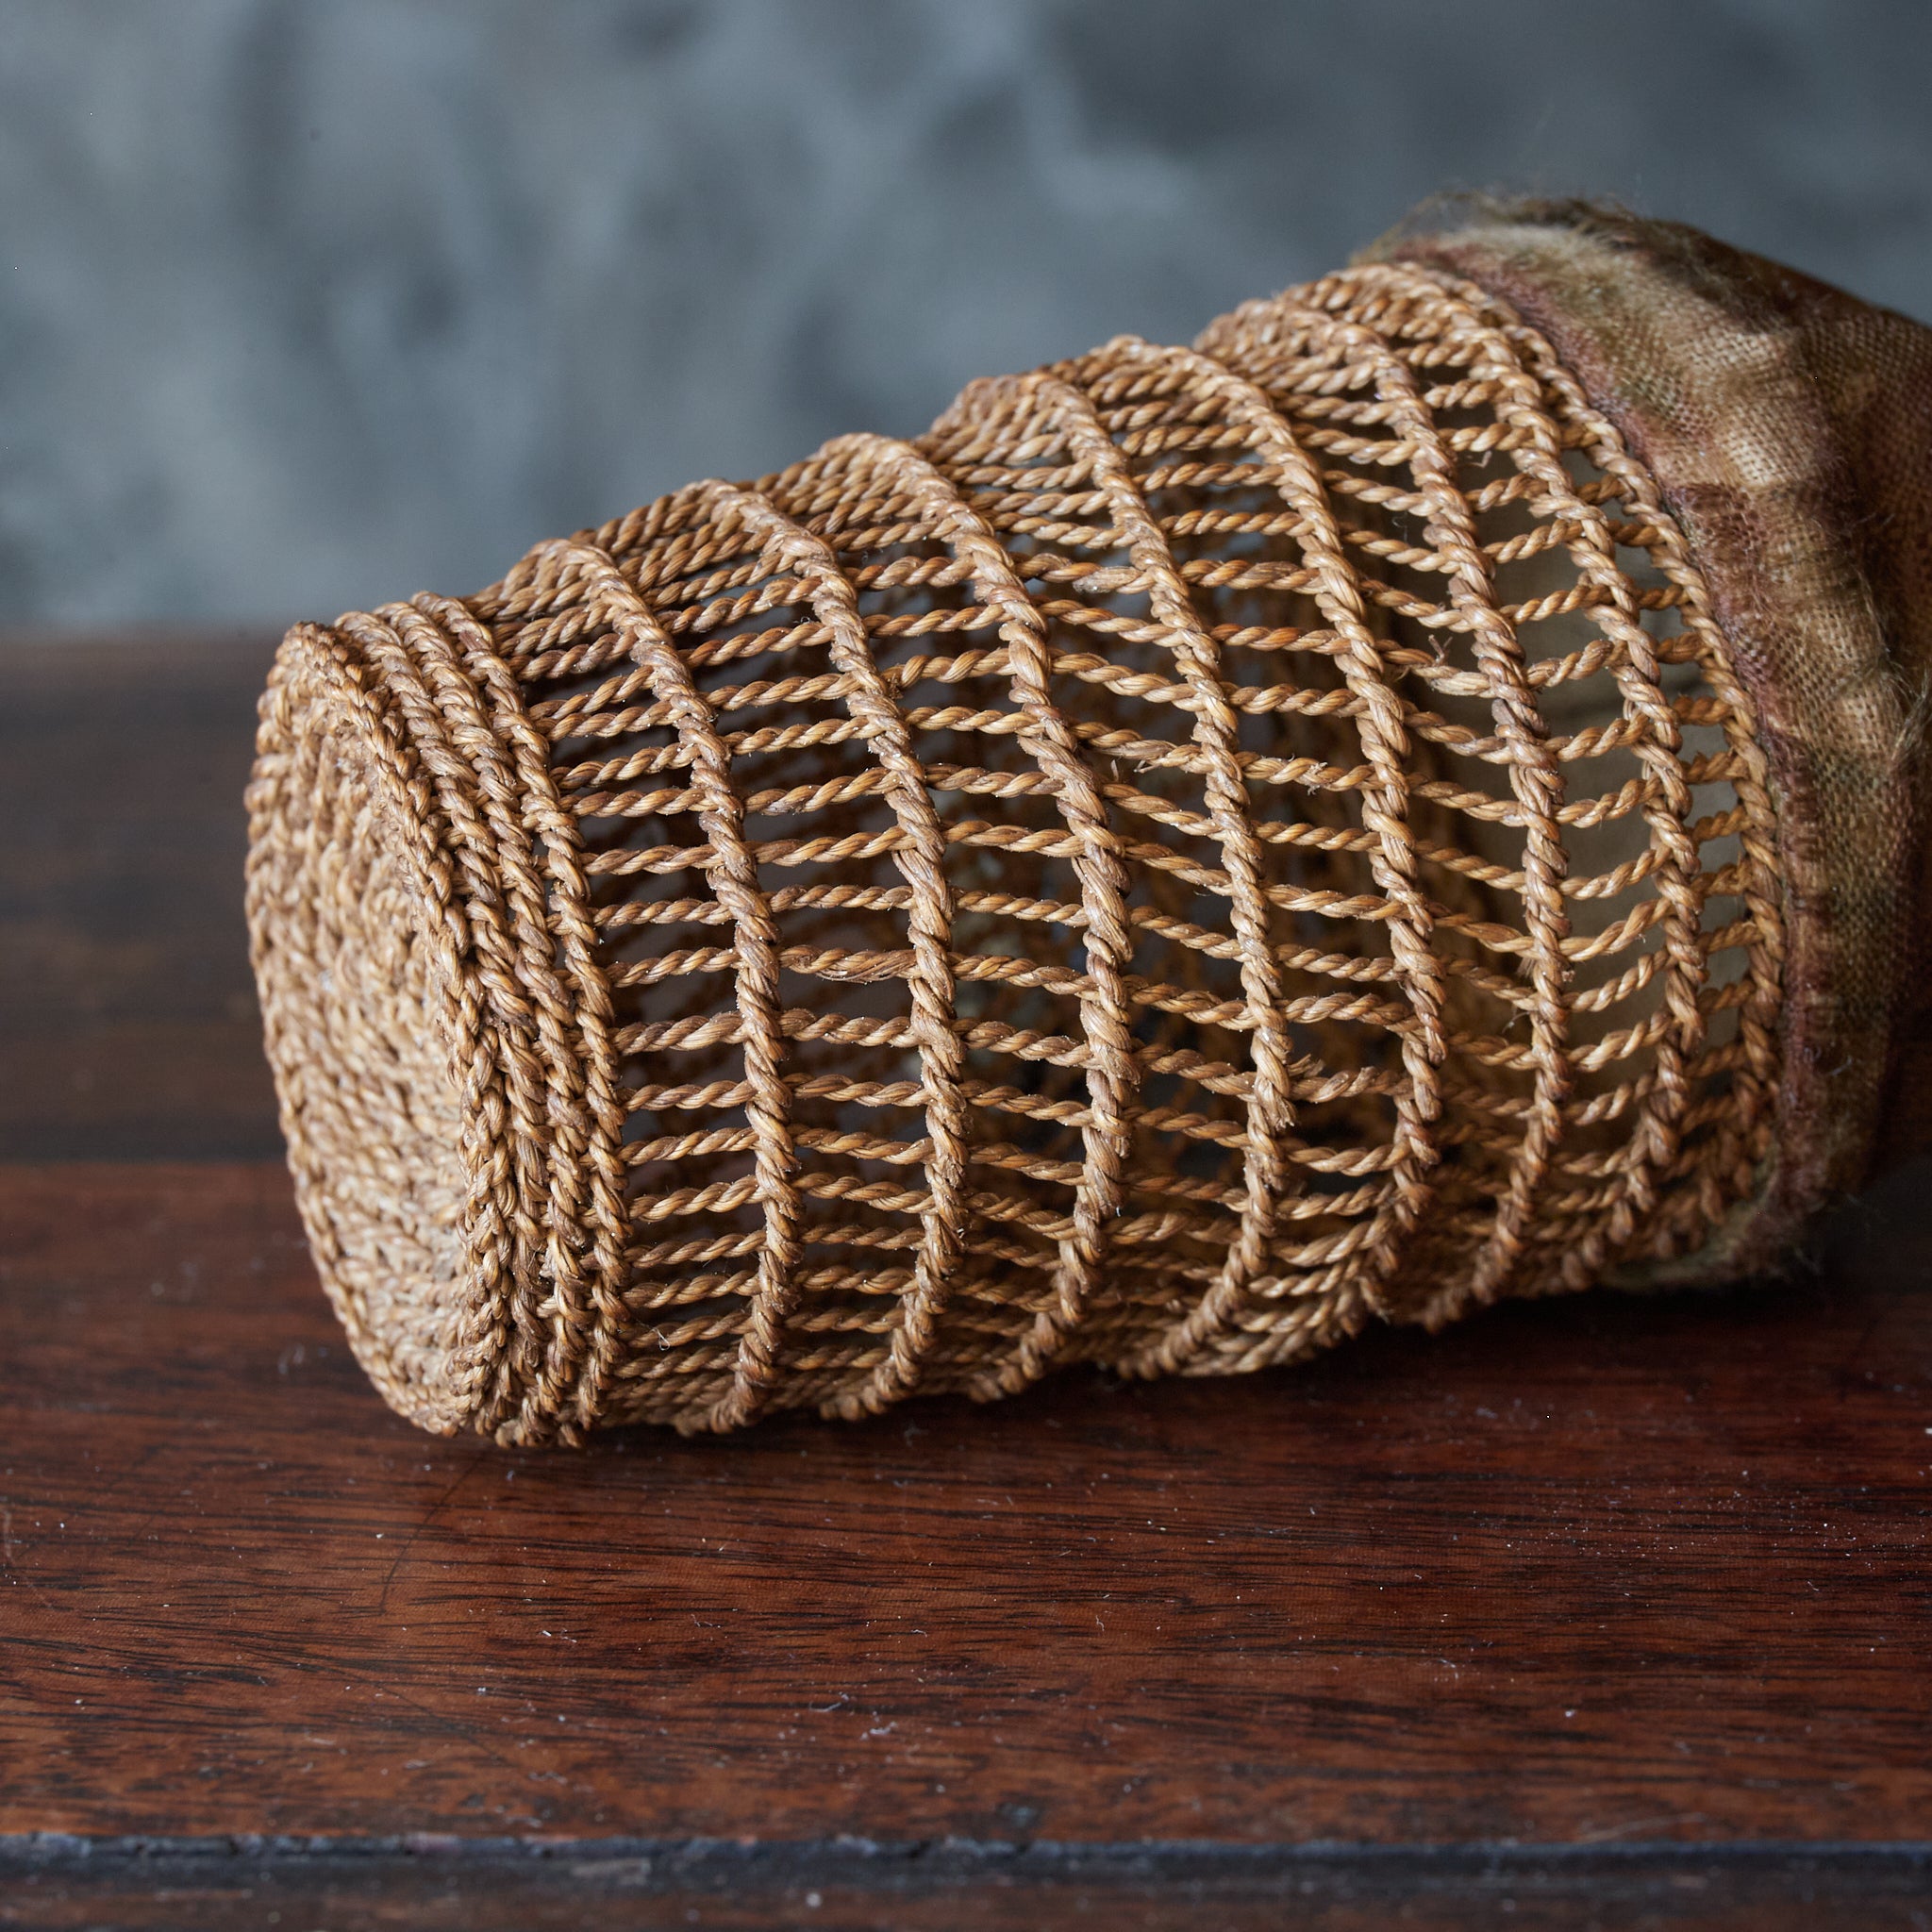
308 303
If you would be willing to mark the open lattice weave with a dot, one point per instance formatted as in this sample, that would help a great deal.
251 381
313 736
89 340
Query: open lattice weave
1205 846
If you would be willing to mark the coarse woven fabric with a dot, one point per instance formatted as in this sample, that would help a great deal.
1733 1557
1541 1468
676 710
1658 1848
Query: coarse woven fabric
1204 847
1789 426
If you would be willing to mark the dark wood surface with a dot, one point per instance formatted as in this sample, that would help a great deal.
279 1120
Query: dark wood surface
128 1022
1608 1611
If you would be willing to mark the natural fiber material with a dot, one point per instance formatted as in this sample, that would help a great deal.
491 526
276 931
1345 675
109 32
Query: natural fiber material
1205 846
1789 430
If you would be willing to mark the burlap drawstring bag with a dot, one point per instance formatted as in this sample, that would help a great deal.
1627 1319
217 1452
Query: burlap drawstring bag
1405 802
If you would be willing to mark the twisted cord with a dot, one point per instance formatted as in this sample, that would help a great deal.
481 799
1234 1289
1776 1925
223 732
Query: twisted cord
1204 846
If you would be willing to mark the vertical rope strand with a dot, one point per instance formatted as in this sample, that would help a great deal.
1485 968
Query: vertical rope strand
1268 1175
922 863
733 871
1536 779
1667 811
1112 1069
1338 593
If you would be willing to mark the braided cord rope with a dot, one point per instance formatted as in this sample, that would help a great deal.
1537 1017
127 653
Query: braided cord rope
1205 846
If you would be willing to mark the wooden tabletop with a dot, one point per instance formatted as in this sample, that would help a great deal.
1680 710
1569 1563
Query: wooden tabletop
1604 1612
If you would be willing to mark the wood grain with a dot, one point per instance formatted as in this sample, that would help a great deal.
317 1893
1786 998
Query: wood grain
1614 1569
127 1018
1601 1612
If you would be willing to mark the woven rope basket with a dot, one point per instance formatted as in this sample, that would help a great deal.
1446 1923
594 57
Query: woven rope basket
1205 846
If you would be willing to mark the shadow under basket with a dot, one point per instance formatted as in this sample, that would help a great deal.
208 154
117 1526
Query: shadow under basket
1410 801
